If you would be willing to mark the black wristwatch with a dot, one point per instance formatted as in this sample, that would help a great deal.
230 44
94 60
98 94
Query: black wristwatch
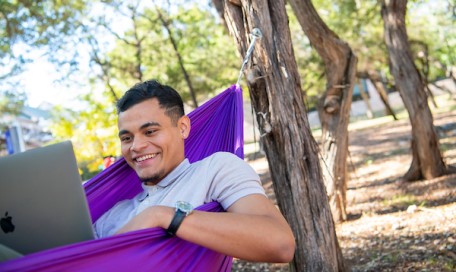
183 209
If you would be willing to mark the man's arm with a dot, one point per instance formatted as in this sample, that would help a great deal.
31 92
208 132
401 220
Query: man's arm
252 229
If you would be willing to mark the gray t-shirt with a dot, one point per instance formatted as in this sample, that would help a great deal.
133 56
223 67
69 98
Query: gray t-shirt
221 177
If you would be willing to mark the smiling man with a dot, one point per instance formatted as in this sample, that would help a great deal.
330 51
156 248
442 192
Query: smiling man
151 140
152 130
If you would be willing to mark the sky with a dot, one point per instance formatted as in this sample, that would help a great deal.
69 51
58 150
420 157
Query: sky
40 86
39 79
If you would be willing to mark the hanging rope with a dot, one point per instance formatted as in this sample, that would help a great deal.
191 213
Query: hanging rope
256 34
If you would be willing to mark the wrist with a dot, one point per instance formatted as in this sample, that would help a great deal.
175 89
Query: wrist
162 215
182 210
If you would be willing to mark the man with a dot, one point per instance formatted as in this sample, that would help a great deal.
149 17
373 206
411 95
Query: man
152 129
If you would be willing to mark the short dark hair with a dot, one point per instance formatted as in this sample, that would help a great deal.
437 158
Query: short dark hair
167 97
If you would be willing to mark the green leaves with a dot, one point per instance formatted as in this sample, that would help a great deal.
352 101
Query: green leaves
11 102
360 24
142 49
111 45
37 23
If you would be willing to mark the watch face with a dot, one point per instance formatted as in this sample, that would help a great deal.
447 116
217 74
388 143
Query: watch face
184 206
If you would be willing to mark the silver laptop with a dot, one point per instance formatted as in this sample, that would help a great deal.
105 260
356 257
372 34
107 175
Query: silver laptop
42 201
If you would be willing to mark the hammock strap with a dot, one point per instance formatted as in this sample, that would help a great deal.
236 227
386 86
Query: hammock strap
256 34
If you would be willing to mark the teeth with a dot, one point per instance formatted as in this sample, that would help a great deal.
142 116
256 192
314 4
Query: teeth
149 156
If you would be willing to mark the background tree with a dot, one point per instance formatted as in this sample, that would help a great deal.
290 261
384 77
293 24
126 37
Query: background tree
36 24
354 22
292 153
359 24
436 30
427 160
11 102
166 24
142 50
340 70
91 132
375 77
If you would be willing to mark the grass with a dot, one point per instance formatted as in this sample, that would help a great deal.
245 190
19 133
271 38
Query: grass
448 265
393 257
401 201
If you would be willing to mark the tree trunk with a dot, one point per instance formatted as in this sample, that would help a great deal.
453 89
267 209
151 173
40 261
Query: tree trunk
292 153
423 57
365 96
376 80
340 68
427 160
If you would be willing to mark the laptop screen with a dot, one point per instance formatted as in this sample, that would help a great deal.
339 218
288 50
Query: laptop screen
42 201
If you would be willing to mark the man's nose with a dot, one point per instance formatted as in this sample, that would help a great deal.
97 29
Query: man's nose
138 144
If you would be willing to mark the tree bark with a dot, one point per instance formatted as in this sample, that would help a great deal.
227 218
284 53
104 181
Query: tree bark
427 160
292 153
340 70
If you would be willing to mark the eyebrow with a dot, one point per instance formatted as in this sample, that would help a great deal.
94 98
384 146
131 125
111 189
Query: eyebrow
143 126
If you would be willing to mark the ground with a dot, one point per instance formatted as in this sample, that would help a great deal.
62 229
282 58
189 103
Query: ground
393 225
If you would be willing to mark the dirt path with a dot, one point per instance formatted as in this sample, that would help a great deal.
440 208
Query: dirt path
393 225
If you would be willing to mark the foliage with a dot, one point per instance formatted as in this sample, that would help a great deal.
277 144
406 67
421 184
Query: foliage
311 67
37 22
437 30
11 102
26 25
359 23
200 41
123 42
92 132
139 51
356 22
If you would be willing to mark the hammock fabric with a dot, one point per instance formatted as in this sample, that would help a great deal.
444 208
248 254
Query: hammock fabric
216 126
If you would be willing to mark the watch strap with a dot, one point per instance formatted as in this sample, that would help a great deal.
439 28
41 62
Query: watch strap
176 222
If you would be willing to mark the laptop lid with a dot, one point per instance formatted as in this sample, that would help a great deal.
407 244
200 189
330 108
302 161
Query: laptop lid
42 201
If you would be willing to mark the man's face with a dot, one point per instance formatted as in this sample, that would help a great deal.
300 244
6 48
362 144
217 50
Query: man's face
151 143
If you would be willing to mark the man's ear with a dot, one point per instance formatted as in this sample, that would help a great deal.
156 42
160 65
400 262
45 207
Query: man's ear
184 126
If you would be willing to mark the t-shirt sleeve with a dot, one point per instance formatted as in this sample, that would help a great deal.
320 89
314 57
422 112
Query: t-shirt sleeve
232 179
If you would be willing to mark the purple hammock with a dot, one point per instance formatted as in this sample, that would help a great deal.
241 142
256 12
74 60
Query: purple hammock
216 126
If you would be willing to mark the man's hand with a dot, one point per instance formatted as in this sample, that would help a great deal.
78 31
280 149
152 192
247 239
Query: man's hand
252 229
154 216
